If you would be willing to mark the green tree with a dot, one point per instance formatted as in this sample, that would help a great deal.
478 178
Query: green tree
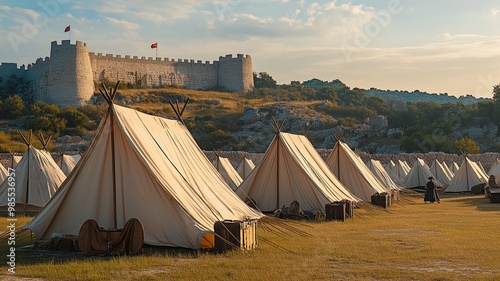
466 145
327 93
12 107
263 80
74 118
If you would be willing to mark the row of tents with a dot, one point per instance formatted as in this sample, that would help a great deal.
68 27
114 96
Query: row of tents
454 178
150 168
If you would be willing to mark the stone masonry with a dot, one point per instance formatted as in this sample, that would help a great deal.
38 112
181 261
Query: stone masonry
68 76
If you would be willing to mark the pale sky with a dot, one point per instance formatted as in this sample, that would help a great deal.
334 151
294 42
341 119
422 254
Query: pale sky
441 46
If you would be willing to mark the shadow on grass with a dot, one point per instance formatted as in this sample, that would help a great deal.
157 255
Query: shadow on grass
28 256
479 201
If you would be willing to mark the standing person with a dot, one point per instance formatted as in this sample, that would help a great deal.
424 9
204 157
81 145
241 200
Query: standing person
431 194
492 183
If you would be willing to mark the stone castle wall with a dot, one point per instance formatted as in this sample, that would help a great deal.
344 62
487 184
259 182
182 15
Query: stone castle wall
67 77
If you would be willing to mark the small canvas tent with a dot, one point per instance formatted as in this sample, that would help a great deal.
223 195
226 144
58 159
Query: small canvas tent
440 173
37 178
401 169
145 167
227 171
14 159
245 168
353 173
68 162
454 167
468 175
447 169
292 170
494 168
393 176
3 173
380 173
419 175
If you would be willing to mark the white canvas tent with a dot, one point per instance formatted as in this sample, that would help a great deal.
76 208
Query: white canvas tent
440 173
419 175
245 167
149 168
37 178
14 160
447 169
393 176
380 173
493 169
353 173
468 175
3 173
454 167
401 170
227 171
68 162
292 170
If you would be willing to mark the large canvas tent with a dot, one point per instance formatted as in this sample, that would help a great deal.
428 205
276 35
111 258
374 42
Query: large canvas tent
468 175
68 162
227 171
149 168
245 167
37 178
353 173
419 175
292 170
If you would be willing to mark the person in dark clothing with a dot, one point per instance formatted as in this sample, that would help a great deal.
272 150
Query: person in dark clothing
431 194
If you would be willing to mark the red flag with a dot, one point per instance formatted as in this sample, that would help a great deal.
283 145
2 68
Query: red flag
154 45
68 28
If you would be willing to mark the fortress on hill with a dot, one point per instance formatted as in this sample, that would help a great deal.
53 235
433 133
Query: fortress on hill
68 76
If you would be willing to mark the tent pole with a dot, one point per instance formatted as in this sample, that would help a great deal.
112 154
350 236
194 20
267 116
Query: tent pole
338 159
466 173
278 171
115 225
28 181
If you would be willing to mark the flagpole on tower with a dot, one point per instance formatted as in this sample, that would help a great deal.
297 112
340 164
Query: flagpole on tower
155 46
68 29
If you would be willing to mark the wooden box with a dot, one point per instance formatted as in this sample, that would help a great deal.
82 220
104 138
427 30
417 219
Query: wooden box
235 234
335 211
349 208
495 197
381 199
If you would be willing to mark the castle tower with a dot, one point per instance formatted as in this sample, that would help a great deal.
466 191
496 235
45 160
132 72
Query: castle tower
235 74
69 76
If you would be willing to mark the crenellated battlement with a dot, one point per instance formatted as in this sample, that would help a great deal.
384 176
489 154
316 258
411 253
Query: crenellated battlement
136 59
67 77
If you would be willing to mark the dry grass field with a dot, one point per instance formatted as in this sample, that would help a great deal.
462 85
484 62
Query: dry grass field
454 240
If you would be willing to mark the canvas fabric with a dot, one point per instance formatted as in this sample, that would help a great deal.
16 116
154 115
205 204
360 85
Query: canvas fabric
292 170
159 176
353 173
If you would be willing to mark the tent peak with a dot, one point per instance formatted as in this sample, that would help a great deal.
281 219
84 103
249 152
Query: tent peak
109 96
277 126
44 141
178 111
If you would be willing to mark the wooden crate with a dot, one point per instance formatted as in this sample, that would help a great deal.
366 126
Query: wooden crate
349 208
335 211
235 234
381 199
495 197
